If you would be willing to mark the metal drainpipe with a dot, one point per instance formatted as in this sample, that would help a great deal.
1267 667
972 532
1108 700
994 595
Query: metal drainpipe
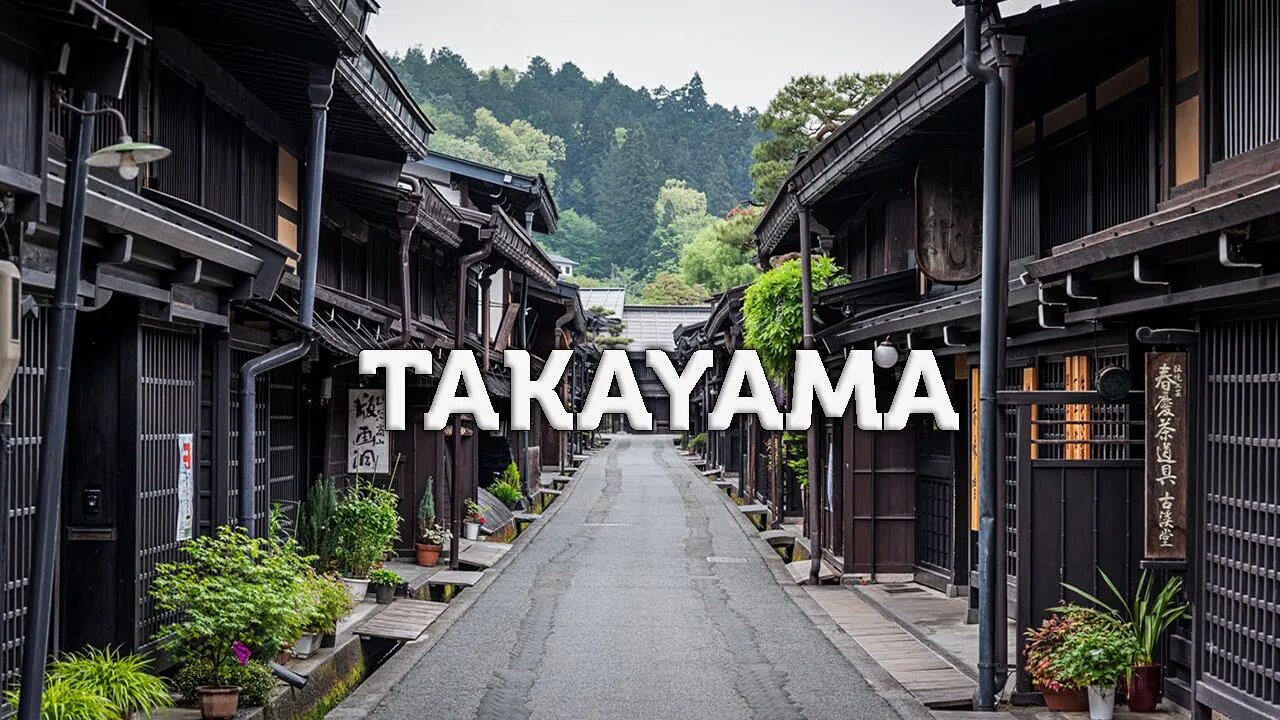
459 338
320 90
811 435
1005 59
524 345
560 323
35 648
486 329
407 225
994 278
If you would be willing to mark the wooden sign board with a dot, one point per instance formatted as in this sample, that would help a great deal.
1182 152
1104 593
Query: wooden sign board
949 217
367 432
1167 472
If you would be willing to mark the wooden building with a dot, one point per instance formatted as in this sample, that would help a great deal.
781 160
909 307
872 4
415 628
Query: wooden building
1141 218
281 116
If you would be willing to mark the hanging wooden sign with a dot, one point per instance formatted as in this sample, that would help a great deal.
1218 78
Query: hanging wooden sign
949 217
1167 472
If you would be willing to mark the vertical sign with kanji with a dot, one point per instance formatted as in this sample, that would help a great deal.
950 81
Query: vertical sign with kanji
1167 473
186 487
367 431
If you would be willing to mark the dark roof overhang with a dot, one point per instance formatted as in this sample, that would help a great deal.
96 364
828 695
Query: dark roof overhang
517 251
168 234
491 187
97 44
371 84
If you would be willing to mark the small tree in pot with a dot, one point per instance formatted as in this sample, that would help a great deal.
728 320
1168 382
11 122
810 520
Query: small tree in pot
431 536
1043 646
366 523
329 601
238 597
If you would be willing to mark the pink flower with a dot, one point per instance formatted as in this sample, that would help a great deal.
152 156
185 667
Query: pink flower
242 652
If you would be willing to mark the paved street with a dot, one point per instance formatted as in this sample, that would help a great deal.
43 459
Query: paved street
640 598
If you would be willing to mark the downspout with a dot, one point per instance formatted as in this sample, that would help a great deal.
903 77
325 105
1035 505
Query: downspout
560 323
1008 50
486 309
320 90
994 278
35 648
811 435
459 338
408 223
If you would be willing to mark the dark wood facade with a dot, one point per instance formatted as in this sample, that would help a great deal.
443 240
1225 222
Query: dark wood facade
1142 217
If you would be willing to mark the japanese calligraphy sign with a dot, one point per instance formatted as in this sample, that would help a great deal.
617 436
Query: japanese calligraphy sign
366 431
186 487
1167 473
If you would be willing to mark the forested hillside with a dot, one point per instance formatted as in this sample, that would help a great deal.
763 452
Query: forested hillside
609 147
653 184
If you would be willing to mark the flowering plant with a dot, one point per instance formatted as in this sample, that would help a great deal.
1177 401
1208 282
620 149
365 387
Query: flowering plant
1096 652
475 512
1045 643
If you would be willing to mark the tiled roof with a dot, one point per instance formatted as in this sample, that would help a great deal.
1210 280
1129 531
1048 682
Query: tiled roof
653 326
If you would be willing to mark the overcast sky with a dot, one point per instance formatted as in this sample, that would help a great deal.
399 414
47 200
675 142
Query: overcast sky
744 49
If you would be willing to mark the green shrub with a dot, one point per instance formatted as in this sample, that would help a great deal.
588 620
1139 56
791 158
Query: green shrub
62 700
329 601
427 511
1097 651
366 522
233 588
254 678
123 680
698 442
315 523
507 488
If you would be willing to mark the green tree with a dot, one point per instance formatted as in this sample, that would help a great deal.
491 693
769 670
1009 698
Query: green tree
773 314
668 288
803 113
518 145
722 255
625 188
580 238
679 214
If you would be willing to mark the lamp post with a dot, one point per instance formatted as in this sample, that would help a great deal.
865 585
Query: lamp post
126 156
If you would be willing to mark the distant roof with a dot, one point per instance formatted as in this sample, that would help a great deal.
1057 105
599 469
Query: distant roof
612 299
653 326
560 259
513 191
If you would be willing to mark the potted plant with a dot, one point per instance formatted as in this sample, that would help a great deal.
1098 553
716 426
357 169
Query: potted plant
1043 646
237 598
366 523
384 584
329 601
432 537
1149 616
507 487
315 529
1095 654
124 681
474 519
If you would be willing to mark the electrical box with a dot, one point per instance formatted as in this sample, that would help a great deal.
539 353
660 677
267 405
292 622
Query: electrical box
10 324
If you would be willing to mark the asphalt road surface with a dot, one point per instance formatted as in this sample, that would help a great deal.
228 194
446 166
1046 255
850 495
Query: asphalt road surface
641 598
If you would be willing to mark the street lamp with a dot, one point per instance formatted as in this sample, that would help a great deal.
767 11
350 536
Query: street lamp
126 155
885 355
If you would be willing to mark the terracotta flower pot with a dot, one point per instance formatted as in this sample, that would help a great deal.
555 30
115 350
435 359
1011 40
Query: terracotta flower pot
428 555
1066 700
1145 688
218 703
